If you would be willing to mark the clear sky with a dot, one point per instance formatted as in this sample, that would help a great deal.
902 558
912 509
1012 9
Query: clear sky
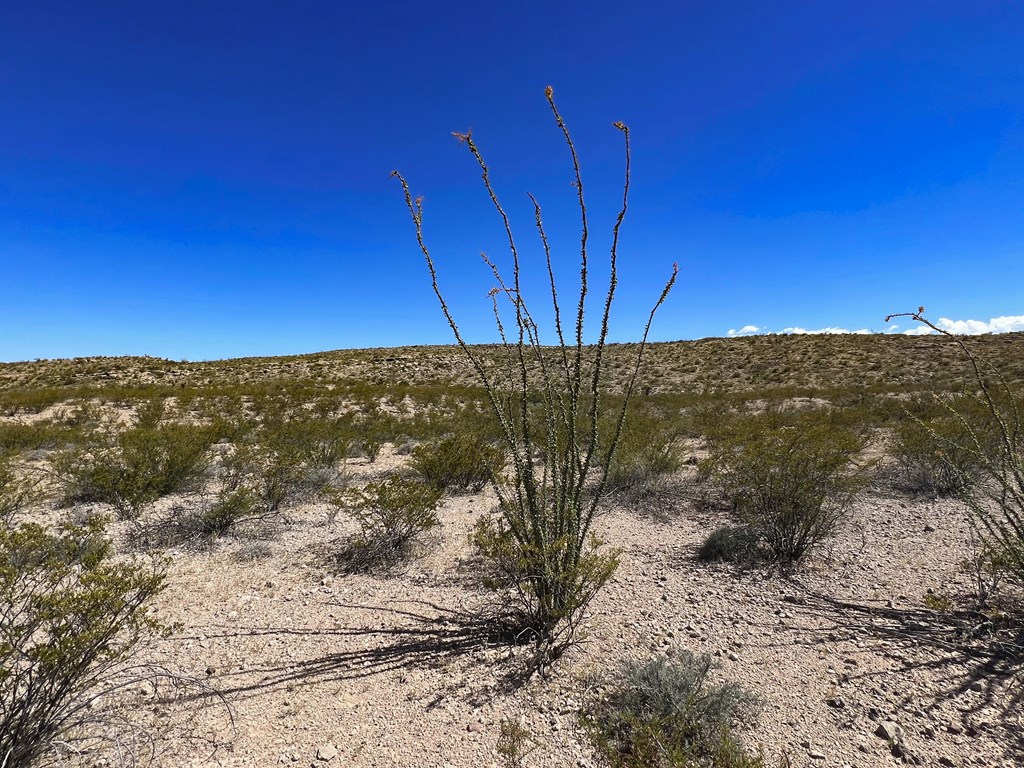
211 179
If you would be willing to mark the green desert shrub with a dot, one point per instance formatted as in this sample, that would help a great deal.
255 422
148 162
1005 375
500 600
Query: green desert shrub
16 491
669 713
288 462
69 618
392 514
648 451
460 462
932 446
225 511
315 443
16 437
150 412
134 468
515 743
789 476
276 479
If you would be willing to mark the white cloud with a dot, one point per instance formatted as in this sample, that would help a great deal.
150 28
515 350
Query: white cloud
1003 324
830 330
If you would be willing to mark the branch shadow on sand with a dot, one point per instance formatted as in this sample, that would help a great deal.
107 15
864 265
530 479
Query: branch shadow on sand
428 637
981 654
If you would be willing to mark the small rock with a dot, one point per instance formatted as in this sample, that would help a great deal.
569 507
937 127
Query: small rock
900 750
475 727
326 753
889 731
815 754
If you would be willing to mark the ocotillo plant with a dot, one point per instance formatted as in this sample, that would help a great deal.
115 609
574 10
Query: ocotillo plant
989 456
542 541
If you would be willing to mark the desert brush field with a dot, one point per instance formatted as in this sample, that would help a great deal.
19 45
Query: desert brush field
799 559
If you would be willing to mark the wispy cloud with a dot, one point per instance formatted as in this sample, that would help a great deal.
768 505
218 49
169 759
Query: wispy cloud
1003 324
796 330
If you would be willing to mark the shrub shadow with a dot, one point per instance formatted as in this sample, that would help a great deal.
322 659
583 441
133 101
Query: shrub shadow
432 637
981 653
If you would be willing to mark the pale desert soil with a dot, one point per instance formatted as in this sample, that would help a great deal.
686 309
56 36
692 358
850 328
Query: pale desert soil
386 671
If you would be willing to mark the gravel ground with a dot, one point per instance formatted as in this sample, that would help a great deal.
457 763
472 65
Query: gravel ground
322 669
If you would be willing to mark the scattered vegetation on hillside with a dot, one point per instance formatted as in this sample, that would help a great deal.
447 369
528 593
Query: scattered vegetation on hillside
228 444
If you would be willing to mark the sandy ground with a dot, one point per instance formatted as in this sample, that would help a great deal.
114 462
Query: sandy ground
323 669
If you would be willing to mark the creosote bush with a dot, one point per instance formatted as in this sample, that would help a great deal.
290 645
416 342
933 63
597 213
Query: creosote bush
16 492
648 451
790 476
669 713
461 462
225 512
392 513
542 541
69 618
288 461
134 468
932 446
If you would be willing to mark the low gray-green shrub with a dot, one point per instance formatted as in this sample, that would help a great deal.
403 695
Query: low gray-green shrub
16 437
932 446
731 544
226 511
288 462
669 713
649 450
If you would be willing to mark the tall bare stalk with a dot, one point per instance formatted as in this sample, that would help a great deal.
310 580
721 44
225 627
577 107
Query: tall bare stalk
995 450
542 542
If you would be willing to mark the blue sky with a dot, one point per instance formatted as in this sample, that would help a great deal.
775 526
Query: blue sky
211 179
